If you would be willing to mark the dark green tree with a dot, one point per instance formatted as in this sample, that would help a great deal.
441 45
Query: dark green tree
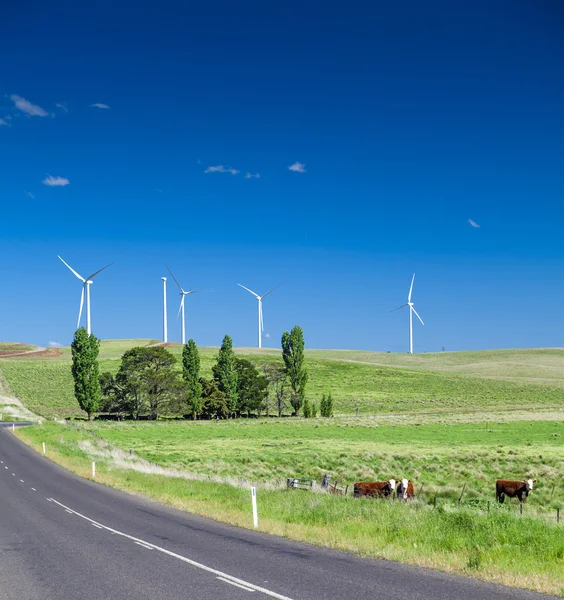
225 375
85 373
326 405
252 387
294 364
148 381
191 375
307 408
112 400
215 402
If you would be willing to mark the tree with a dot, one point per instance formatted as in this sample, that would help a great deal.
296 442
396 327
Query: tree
112 400
85 371
225 375
293 356
278 383
326 406
307 408
215 402
252 387
191 375
148 382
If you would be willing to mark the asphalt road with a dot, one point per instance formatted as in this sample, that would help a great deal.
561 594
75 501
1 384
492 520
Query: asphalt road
63 537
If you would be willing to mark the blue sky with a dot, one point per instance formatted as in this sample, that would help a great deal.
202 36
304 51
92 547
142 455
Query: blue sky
127 131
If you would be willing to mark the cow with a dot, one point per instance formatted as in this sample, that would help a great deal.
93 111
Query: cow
382 489
405 490
511 489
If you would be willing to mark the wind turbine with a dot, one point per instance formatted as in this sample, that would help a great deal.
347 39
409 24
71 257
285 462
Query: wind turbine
181 309
86 283
411 311
260 299
165 327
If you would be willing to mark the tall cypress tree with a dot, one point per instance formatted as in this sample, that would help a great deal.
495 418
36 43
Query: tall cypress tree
85 371
225 374
191 374
293 356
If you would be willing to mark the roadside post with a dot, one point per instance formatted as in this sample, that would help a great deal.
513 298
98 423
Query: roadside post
43 444
93 470
254 503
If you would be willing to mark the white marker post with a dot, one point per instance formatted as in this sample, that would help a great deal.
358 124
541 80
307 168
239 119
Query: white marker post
13 428
254 502
44 452
93 470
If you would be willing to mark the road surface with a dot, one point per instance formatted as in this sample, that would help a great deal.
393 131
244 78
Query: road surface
63 537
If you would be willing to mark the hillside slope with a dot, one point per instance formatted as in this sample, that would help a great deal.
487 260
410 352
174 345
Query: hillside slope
376 383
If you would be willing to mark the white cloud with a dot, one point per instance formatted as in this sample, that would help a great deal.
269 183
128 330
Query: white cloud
55 181
297 167
473 223
54 345
27 107
221 169
251 176
198 161
267 335
29 195
62 107
98 105
158 190
3 122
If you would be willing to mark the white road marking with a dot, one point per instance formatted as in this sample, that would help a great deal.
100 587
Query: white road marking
14 474
144 545
5 467
243 587
34 489
22 480
98 526
193 563
69 511
1 461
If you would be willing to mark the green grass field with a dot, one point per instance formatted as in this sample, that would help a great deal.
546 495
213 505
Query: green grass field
498 545
376 383
441 457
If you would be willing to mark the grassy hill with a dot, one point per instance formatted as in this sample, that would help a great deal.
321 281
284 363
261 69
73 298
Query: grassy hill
375 382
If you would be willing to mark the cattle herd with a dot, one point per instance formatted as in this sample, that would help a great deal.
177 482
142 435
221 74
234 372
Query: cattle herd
403 489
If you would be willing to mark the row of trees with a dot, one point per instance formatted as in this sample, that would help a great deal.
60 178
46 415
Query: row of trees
149 384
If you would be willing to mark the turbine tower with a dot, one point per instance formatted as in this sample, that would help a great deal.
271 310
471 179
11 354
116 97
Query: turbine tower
411 311
165 327
260 320
86 283
181 308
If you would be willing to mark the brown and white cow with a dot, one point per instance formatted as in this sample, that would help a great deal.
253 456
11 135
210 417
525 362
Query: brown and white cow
405 490
511 489
381 489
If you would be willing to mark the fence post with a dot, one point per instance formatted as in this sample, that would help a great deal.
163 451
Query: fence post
462 493
435 502
558 515
552 492
254 503
346 489
420 490
488 507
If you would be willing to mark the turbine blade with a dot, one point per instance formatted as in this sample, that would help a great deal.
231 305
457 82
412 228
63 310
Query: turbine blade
180 307
248 290
99 271
81 305
175 281
411 288
399 307
68 266
267 293
417 315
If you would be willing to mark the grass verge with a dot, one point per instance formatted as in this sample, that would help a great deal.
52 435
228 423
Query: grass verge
498 547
